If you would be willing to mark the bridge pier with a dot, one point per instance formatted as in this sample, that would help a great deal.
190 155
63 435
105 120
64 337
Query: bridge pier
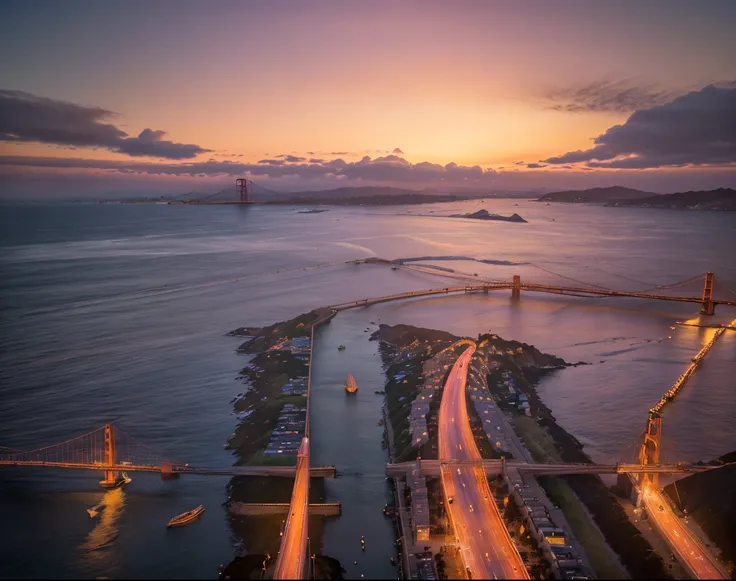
516 288
707 306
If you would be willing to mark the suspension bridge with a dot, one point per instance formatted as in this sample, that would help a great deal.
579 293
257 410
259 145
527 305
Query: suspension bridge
706 300
110 450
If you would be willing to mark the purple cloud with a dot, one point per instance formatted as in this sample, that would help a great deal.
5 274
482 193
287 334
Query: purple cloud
382 169
30 118
698 128
616 96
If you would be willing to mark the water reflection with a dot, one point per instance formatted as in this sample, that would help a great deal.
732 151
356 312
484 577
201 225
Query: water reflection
98 547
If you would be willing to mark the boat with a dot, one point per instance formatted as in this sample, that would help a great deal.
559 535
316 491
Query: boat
95 510
350 385
186 517
341 348
122 480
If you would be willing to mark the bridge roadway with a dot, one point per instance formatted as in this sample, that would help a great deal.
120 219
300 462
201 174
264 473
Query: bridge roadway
282 471
292 558
484 288
485 545
689 550
495 467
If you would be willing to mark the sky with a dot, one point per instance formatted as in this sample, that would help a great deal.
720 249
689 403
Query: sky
102 96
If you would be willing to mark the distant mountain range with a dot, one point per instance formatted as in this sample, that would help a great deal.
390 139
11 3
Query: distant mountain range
720 199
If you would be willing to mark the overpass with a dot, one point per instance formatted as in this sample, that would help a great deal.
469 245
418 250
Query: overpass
291 562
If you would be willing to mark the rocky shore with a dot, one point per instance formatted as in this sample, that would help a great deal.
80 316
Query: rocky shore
281 355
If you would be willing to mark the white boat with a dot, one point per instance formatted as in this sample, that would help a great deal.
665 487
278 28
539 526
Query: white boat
122 480
186 517
95 510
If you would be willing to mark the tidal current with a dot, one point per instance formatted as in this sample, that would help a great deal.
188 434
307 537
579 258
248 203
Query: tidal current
119 313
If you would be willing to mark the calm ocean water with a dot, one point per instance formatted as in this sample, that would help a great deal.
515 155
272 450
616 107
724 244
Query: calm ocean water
119 313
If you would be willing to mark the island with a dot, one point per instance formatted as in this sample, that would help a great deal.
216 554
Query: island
723 199
486 215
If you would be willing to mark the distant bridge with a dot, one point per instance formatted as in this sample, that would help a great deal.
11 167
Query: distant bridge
706 300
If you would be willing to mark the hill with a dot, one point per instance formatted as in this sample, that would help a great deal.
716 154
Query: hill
720 199
595 195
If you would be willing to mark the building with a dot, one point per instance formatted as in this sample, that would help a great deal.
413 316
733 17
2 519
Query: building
419 506
426 567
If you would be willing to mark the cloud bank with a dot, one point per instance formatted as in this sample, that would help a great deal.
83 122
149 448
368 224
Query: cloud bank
27 117
390 168
698 128
599 96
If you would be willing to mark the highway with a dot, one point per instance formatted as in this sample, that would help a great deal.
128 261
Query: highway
292 558
687 548
485 545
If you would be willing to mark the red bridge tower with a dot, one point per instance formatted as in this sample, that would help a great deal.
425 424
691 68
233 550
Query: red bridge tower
242 185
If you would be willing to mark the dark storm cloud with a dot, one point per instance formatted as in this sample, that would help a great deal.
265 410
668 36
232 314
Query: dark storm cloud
698 128
382 169
151 143
295 159
621 97
27 117
535 165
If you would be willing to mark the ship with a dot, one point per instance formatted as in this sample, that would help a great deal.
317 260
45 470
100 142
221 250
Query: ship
350 385
186 517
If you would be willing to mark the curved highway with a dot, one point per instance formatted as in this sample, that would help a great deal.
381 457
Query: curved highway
485 545
690 551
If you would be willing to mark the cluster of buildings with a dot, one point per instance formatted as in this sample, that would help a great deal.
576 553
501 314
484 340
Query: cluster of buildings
295 386
300 347
426 567
419 504
289 431
516 397
433 372
565 559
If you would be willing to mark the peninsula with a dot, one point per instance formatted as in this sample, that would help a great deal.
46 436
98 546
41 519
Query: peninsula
723 199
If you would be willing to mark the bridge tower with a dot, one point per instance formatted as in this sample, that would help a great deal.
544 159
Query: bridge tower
708 308
242 185
112 477
516 288
649 452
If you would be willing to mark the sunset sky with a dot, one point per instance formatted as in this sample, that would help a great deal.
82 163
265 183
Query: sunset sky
498 95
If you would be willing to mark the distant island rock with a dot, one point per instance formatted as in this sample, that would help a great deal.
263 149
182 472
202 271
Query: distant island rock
486 215
723 199
595 195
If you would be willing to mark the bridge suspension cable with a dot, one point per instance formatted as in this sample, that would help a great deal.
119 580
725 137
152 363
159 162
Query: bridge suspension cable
568 277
